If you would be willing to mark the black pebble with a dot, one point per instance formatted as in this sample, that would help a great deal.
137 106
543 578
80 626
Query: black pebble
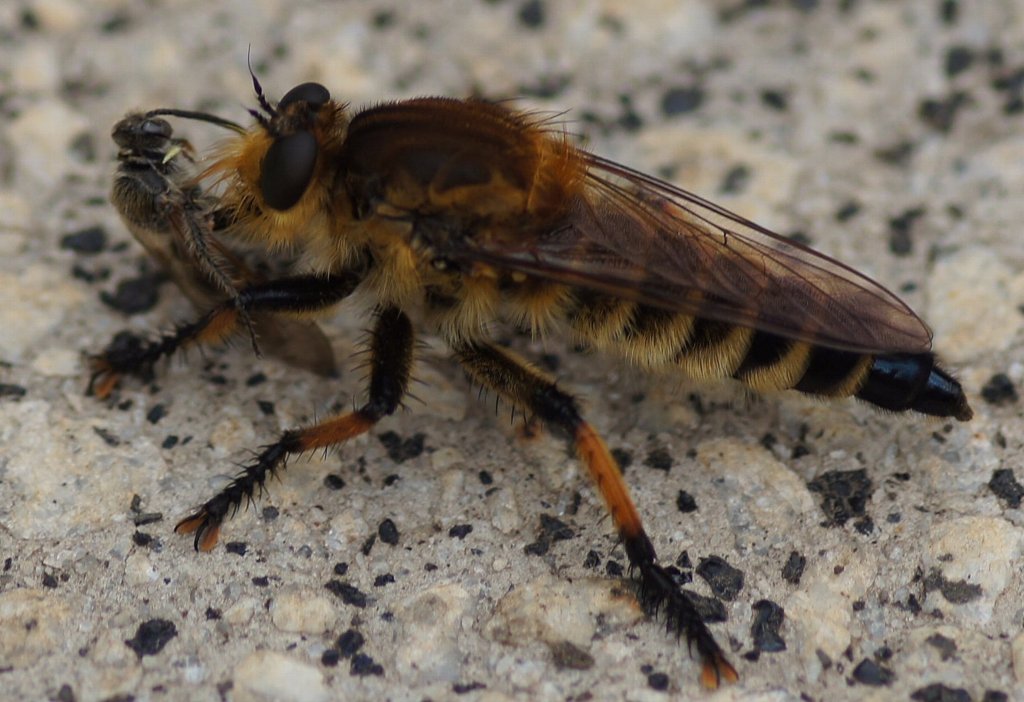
388 532
1004 484
868 672
333 481
134 295
350 642
954 591
88 241
568 656
531 14
768 618
794 568
151 637
999 390
460 531
685 502
363 665
659 459
946 646
724 580
775 99
658 681
156 413
937 692
900 229
844 494
735 180
349 594
958 59
940 113
679 101
555 529
463 688
401 450
537 548
11 390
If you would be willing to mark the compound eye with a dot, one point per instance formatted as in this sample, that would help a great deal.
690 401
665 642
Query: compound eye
154 126
137 132
313 94
287 169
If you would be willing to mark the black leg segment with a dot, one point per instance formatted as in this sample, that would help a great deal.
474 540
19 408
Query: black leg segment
520 383
391 349
296 295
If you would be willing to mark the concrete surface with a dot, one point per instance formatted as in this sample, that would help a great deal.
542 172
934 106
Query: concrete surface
889 134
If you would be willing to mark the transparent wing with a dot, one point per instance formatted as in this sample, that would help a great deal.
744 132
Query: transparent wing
637 237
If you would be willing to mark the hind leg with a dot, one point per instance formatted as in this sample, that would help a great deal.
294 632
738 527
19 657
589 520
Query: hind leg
524 386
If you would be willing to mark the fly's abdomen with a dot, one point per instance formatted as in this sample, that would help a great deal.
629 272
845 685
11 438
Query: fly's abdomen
894 382
914 382
706 349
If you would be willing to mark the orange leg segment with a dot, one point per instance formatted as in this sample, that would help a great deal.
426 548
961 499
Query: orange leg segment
608 478
523 385
391 361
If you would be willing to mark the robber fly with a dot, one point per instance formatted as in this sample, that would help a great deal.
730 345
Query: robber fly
156 195
463 212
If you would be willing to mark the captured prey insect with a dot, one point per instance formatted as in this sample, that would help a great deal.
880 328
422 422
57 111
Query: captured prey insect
156 195
463 212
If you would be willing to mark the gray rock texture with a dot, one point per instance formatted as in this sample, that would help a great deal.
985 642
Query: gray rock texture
889 134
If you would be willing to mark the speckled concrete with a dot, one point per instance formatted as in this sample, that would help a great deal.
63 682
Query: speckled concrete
889 134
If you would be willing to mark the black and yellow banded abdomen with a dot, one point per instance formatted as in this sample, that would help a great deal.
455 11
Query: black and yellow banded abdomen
705 350
895 382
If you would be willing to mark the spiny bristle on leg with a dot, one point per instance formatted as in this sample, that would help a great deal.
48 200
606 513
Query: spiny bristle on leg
205 522
659 594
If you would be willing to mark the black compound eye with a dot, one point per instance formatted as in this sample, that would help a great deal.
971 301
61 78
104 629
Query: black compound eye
154 126
136 133
313 94
287 169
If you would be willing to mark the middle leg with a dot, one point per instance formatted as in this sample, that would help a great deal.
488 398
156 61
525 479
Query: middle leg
518 382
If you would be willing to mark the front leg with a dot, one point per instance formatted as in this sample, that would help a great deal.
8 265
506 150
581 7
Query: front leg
518 382
293 296
391 350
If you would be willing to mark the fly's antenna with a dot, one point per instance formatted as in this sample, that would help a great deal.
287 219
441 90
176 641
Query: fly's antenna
264 103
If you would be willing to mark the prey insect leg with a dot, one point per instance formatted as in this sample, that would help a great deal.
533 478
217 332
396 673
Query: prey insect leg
523 385
294 296
391 351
